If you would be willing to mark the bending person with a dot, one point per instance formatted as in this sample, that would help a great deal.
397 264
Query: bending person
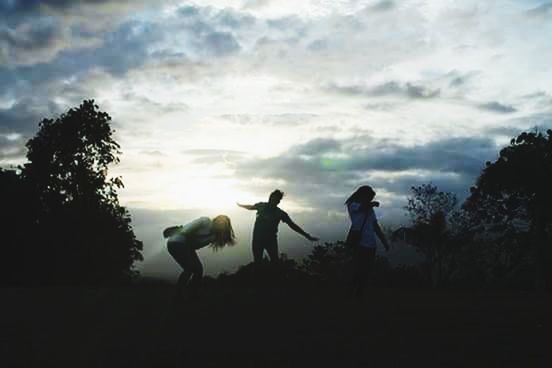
184 241
265 230
364 221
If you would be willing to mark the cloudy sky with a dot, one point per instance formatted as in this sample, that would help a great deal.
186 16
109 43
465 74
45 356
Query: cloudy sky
220 101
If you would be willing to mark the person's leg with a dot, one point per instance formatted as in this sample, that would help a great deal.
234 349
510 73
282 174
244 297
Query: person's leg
357 271
178 251
271 246
192 270
183 280
366 265
258 249
197 273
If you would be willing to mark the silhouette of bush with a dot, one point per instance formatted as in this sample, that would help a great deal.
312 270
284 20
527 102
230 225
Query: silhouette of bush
331 264
263 274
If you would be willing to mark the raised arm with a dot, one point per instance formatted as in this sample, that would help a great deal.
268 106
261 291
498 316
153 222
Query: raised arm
381 235
298 229
247 206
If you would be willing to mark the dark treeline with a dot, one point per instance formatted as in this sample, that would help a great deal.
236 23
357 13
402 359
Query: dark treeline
500 237
61 219
62 222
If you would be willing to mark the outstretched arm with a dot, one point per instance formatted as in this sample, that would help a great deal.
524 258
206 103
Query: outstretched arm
298 229
367 206
247 206
381 235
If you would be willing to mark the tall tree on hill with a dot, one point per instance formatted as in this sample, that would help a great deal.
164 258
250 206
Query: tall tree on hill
519 182
81 234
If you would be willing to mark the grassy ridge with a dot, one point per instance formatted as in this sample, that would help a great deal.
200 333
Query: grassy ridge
141 326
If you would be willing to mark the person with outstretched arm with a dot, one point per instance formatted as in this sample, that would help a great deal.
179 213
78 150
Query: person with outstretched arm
265 230
183 241
362 235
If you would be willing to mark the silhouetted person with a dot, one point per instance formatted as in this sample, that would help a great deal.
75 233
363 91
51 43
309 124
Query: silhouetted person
265 230
183 241
365 224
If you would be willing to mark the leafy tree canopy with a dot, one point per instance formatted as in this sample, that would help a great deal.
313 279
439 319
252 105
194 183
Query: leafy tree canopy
516 190
76 230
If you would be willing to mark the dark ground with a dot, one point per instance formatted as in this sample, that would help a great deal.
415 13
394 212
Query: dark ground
140 326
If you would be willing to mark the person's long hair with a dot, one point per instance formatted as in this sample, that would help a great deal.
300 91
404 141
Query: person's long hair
363 194
222 231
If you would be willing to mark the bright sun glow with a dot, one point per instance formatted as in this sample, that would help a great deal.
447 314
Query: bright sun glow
178 190
205 193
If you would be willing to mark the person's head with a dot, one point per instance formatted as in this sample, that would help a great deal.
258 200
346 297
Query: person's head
275 197
222 231
363 194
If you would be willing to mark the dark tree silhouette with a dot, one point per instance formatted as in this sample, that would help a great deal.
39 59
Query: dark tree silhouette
77 232
430 211
519 184
17 223
498 251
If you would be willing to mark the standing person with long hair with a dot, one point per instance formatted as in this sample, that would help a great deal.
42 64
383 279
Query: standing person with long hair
184 241
362 235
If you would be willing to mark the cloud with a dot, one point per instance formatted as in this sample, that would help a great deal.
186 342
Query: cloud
233 20
418 91
154 153
211 31
408 90
209 151
11 149
255 4
23 116
317 147
504 131
541 11
318 45
214 156
85 15
540 121
122 50
43 32
288 119
221 43
18 123
59 52
497 107
31 43
384 5
17 7
455 155
322 171
387 88
39 40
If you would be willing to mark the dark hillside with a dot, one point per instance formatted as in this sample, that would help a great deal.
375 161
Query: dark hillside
140 326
